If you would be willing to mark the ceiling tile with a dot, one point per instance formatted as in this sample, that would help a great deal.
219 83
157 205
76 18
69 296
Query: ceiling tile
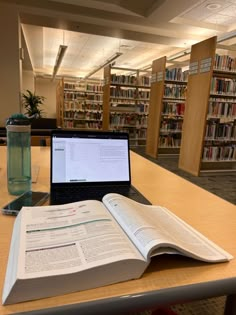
86 51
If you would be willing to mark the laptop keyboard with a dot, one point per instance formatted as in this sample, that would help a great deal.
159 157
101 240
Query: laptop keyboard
86 193
72 194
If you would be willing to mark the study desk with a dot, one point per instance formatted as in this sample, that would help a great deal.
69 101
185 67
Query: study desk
170 279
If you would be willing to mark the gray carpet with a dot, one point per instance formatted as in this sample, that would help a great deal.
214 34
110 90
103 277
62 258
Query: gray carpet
222 184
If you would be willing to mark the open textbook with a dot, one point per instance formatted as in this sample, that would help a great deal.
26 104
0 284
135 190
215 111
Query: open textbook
61 249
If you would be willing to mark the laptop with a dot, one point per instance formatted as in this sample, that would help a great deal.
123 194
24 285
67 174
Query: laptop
90 164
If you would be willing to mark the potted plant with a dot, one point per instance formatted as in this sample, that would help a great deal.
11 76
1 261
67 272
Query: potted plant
32 103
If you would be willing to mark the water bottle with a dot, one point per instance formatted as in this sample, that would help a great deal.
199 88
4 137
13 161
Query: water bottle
18 154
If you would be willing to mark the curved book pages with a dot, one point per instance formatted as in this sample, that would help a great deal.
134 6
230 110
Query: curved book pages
88 244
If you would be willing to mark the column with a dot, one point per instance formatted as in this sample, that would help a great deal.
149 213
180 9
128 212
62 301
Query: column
10 63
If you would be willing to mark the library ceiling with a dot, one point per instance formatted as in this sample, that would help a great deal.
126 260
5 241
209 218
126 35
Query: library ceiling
139 31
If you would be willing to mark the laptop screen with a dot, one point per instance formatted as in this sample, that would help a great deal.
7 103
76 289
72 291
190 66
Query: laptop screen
89 157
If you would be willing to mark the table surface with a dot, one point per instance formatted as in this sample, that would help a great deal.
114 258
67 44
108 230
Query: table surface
169 278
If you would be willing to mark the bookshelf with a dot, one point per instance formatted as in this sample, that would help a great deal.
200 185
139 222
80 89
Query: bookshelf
82 104
60 103
126 102
167 105
209 130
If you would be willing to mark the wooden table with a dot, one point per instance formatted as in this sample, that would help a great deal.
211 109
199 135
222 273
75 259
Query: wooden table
169 279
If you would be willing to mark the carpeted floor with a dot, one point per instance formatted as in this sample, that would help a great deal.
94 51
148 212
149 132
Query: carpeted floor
214 306
222 185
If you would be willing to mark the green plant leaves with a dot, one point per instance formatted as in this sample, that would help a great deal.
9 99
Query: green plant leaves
32 103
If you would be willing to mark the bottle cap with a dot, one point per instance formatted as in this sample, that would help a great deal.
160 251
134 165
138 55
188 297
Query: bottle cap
18 119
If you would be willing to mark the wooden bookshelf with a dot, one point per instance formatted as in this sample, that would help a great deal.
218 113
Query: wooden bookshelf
82 104
201 148
60 102
155 107
106 98
167 104
126 102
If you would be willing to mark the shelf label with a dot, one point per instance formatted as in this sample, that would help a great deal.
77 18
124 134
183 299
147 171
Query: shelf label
193 68
205 65
160 76
106 80
154 77
157 77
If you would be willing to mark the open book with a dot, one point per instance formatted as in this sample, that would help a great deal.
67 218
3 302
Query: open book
78 246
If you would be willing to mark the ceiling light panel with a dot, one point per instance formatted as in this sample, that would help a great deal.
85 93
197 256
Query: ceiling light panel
213 6
52 39
220 19
84 51
202 11
229 11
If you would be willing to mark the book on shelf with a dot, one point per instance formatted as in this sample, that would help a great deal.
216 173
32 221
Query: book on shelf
218 153
66 248
223 86
176 74
173 108
220 107
225 63
174 91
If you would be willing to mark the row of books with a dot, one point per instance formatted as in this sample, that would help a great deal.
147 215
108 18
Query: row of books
170 141
223 86
132 120
69 86
82 95
134 134
120 92
123 79
171 108
171 125
177 74
143 94
68 95
174 91
83 115
88 125
82 105
144 81
130 80
82 124
84 87
215 130
219 153
141 108
94 88
222 108
225 63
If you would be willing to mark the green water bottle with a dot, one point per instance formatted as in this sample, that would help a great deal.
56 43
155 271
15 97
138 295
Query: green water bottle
18 154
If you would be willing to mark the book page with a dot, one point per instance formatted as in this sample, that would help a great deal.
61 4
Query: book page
70 238
156 230
11 272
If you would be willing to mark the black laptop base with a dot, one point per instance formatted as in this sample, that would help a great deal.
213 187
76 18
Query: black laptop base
61 196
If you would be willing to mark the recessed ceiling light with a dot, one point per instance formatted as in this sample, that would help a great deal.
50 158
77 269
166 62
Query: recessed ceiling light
213 6
124 46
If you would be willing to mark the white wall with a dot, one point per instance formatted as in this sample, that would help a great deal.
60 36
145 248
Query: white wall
28 81
47 88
